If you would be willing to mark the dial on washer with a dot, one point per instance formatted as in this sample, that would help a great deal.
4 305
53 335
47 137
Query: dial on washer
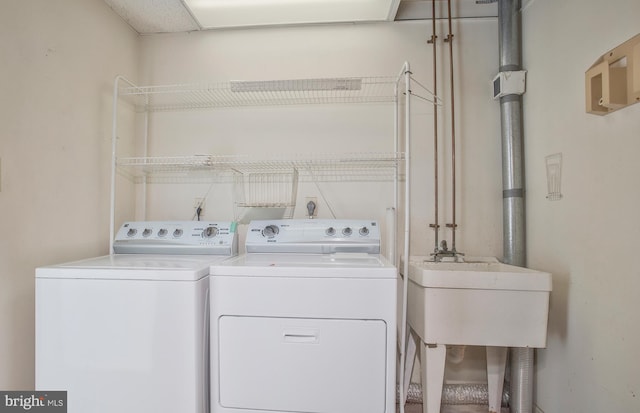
210 232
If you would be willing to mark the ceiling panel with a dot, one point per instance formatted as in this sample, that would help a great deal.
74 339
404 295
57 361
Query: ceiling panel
154 16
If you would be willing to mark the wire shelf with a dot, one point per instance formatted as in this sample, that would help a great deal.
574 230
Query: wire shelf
358 167
261 93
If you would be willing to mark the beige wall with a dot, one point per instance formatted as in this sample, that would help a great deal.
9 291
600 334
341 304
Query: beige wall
59 59
589 239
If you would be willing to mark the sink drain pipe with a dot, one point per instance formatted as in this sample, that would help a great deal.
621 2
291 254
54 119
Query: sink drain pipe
513 201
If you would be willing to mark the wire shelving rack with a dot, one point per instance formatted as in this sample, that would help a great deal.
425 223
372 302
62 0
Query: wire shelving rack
243 169
259 93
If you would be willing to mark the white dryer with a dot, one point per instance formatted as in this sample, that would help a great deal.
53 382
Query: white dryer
128 332
305 321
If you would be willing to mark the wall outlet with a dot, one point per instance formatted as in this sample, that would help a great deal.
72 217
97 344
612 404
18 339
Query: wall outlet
307 204
201 203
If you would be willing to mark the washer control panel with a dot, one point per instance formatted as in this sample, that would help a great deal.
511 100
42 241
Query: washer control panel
177 237
319 236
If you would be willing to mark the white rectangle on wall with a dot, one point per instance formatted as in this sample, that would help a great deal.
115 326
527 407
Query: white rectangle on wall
554 176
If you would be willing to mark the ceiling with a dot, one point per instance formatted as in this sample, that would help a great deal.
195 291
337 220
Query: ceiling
172 16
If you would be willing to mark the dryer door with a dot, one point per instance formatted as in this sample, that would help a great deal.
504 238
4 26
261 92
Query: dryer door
302 365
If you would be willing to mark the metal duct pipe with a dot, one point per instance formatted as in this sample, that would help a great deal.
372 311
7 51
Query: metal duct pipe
457 394
514 241
512 142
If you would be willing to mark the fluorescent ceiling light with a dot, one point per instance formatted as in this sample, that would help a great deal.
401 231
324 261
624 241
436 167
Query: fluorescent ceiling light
241 13
296 85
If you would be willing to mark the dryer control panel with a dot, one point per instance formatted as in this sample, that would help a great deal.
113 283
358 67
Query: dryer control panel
177 237
313 236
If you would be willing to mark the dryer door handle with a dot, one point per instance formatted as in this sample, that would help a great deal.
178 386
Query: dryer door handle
301 336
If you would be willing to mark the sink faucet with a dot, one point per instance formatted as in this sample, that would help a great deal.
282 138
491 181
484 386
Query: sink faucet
445 252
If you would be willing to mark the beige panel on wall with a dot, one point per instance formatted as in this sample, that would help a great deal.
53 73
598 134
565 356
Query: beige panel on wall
613 82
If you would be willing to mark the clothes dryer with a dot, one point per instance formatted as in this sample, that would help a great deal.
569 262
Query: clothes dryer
128 332
305 321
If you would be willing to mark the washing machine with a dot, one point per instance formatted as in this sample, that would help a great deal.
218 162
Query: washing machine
128 332
305 321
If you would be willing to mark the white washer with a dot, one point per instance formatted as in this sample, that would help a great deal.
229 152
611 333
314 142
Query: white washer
128 332
305 321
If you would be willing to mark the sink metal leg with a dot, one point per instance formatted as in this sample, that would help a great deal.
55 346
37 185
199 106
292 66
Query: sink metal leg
496 362
432 359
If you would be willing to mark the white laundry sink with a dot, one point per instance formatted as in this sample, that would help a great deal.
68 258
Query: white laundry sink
478 302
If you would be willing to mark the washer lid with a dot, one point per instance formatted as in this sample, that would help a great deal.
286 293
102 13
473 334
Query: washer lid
134 267
338 265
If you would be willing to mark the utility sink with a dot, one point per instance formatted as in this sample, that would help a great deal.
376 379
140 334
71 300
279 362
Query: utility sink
478 302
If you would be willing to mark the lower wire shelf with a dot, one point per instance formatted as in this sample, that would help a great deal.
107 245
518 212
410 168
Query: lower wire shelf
367 166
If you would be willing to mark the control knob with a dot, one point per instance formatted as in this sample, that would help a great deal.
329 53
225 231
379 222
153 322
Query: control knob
177 233
147 232
162 232
132 232
210 232
331 231
364 231
347 232
270 231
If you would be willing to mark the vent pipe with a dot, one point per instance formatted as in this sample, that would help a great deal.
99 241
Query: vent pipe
513 203
512 142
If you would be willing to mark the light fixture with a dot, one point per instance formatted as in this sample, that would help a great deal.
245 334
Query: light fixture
212 14
296 85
